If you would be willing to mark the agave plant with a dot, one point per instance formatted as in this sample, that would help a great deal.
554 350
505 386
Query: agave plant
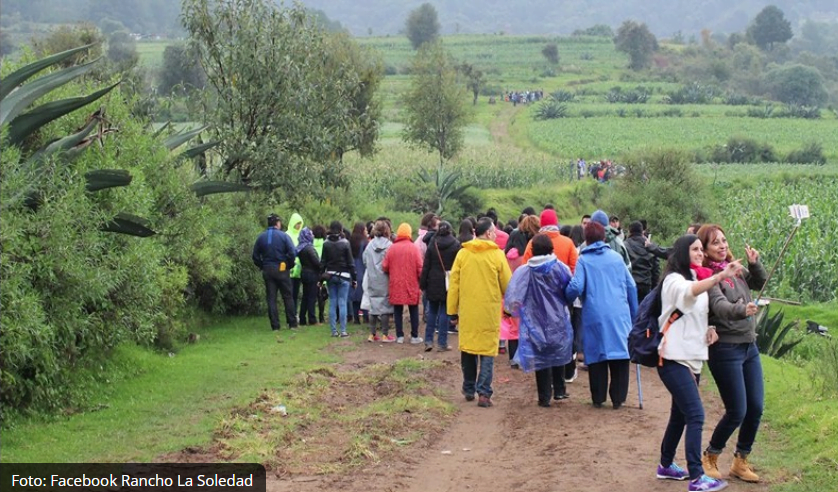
771 334
446 185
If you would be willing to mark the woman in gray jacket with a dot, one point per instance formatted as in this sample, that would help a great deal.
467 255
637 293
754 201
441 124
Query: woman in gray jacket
734 360
377 285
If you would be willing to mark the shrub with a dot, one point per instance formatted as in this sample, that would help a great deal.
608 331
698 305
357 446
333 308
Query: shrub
661 186
744 149
797 111
811 153
638 95
693 93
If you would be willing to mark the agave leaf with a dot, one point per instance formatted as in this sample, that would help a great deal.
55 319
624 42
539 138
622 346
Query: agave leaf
203 188
23 126
61 144
22 74
17 101
100 179
179 139
162 129
131 225
785 348
197 150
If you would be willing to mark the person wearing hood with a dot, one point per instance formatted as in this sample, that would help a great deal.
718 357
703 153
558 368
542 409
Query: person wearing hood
439 259
475 298
609 304
536 296
404 265
309 276
295 226
338 267
377 286
319 232
563 246
612 237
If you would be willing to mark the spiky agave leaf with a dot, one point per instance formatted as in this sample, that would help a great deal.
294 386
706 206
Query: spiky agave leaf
19 99
100 179
179 139
197 150
132 225
21 75
203 188
25 124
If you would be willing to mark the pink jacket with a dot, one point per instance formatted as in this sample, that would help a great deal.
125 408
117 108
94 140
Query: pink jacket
404 264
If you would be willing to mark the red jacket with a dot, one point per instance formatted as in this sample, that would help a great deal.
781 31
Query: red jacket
404 265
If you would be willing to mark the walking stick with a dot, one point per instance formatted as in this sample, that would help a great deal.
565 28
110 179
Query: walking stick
799 212
639 387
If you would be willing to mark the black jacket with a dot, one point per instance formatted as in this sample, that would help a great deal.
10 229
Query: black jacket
643 262
310 264
337 257
432 280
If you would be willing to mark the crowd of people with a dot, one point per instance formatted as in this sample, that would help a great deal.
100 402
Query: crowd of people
602 171
555 298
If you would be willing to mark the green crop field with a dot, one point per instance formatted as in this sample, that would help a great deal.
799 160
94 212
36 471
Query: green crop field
151 53
609 137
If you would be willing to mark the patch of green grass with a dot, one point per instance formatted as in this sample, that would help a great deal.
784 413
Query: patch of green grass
172 402
797 449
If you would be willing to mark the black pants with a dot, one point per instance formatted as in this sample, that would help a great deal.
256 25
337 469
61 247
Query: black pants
398 312
642 292
550 382
618 389
511 348
308 303
281 281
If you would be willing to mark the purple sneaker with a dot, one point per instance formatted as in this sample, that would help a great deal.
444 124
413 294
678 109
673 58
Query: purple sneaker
672 472
706 484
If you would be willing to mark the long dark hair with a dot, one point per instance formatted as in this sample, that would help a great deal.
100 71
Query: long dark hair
679 260
357 238
466 231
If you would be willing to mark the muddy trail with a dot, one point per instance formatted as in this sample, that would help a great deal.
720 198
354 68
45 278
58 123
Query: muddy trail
517 444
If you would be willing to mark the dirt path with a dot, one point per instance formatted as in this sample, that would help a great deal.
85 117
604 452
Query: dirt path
516 443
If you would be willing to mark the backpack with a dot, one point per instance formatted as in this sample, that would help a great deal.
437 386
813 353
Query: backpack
645 335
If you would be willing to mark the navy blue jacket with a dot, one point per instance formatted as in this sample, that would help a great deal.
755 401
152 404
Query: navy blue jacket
272 248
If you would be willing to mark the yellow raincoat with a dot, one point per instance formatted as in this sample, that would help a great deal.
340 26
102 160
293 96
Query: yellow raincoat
478 281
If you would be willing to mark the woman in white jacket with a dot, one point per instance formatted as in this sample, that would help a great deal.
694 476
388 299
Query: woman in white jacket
683 351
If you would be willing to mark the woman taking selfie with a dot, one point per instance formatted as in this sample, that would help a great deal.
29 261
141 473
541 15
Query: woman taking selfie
734 361
683 350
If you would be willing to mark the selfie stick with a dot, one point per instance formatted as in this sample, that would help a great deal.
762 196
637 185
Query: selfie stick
799 212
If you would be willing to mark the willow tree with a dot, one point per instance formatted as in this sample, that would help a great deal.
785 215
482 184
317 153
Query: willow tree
436 113
284 102
436 108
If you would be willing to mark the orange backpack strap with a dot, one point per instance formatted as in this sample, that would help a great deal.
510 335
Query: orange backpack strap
672 318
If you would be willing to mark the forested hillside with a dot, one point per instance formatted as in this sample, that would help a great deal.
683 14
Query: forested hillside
154 17
664 17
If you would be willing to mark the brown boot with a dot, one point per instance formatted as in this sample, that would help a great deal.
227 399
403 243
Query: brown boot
742 470
710 463
484 401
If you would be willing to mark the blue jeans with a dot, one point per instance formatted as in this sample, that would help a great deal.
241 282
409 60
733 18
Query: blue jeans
472 381
338 293
437 319
737 370
686 411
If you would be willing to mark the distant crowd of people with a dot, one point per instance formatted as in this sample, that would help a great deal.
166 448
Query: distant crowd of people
602 171
523 97
553 297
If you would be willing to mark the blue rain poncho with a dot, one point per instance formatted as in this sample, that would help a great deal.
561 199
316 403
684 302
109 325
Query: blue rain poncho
536 296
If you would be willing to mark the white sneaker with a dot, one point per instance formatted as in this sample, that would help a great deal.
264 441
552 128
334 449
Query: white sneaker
416 340
400 340
575 375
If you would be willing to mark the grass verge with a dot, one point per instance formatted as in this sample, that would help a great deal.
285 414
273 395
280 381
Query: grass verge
799 450
168 403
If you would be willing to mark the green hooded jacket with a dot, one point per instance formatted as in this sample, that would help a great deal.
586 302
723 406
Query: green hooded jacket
295 225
